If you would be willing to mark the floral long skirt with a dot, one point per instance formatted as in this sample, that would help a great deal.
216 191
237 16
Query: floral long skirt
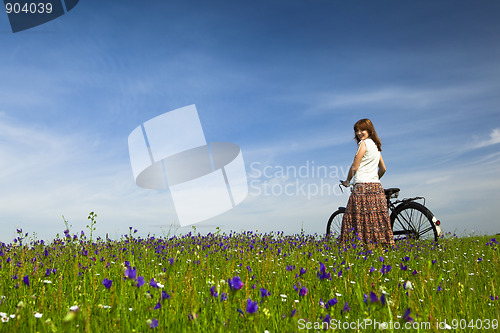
366 218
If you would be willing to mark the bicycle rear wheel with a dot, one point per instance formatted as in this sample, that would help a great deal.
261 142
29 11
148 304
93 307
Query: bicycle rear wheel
413 220
334 225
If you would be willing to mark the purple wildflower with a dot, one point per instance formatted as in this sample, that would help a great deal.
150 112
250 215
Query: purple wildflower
223 297
130 273
414 272
321 303
385 269
302 271
346 308
213 292
373 297
403 267
372 269
252 307
235 283
303 291
107 283
153 283
264 292
322 274
383 299
154 323
140 281
293 312
157 306
26 280
331 302
164 295
406 316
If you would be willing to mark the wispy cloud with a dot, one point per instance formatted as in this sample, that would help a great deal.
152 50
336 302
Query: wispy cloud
493 139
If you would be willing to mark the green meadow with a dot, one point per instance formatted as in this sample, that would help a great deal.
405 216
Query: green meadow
246 282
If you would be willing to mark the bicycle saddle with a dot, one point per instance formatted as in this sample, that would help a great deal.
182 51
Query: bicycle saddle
390 191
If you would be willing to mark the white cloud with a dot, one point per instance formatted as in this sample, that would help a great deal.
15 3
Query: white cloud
493 139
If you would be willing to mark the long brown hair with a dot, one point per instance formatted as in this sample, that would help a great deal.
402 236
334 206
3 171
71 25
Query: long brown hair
367 125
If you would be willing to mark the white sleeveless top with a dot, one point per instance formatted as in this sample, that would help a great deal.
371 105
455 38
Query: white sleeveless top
368 168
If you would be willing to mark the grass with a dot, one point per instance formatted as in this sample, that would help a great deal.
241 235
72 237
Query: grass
245 282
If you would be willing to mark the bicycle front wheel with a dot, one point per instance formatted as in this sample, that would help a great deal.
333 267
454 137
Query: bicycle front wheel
413 220
334 225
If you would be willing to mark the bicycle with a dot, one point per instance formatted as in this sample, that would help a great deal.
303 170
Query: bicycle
409 218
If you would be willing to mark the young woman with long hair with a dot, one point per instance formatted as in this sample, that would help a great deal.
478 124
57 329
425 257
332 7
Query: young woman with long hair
367 217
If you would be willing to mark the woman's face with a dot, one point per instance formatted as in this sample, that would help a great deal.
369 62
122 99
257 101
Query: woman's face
362 134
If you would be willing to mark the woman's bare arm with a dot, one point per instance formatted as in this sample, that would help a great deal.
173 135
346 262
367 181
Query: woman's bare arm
381 167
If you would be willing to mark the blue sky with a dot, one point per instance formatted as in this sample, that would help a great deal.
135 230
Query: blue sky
285 80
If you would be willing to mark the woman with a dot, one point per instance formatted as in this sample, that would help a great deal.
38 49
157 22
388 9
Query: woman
366 216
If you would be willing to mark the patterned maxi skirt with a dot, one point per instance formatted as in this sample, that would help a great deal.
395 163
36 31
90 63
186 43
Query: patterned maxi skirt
366 218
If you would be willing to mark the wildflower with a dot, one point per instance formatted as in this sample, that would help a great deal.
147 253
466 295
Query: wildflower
290 267
331 302
372 269
213 292
107 283
38 315
439 288
157 306
293 312
264 292
164 295
408 285
26 280
47 281
303 291
153 284
382 299
327 318
130 273
414 272
223 297
235 283
321 303
140 281
302 271
252 307
346 308
385 269
322 274
373 297
74 308
154 323
406 316
240 311
403 267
